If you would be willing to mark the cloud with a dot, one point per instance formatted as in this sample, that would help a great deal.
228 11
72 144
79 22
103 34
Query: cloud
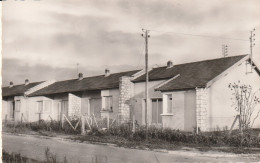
18 70
52 36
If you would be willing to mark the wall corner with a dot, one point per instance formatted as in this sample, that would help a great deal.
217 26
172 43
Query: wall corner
202 108
126 92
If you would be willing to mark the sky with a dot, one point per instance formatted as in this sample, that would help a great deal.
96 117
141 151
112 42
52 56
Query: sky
46 39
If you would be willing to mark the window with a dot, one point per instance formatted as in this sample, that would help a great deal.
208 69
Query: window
47 106
39 106
108 103
17 105
169 103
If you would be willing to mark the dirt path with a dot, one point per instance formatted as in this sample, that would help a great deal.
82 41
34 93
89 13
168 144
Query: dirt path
34 147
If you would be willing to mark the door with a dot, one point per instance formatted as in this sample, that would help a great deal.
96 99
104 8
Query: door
157 111
12 110
39 109
64 108
95 106
85 106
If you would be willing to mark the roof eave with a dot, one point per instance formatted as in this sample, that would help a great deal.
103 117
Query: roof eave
73 91
178 89
209 83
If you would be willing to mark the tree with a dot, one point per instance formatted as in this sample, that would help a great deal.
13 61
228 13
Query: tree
244 101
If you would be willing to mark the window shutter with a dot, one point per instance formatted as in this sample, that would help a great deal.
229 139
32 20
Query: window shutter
47 106
110 103
169 103
39 107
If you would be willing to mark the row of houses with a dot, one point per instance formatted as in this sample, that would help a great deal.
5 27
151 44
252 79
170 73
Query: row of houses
182 96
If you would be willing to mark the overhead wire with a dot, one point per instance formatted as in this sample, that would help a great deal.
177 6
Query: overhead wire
197 35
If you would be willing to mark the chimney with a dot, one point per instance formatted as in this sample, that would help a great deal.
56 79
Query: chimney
107 72
26 81
80 76
11 84
169 64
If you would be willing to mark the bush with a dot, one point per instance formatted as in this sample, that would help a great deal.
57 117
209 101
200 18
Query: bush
52 126
215 138
123 130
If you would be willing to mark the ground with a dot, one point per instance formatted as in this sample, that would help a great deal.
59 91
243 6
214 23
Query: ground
34 147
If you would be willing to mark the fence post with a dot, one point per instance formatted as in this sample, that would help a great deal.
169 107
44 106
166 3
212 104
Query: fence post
95 120
22 118
108 121
62 121
82 125
134 123
231 128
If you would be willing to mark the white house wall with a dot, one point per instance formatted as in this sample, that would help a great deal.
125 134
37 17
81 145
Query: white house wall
139 96
183 116
221 113
5 110
33 109
114 93
23 113
18 114
74 102
85 104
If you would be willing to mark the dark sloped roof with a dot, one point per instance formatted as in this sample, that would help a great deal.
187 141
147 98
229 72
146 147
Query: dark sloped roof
192 75
17 90
88 83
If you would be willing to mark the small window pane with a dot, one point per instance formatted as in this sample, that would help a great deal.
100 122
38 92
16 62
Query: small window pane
108 103
169 103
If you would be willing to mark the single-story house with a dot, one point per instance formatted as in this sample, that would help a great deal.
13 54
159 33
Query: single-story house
183 96
196 94
15 99
98 95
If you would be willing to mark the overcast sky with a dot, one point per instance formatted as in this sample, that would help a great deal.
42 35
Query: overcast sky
45 39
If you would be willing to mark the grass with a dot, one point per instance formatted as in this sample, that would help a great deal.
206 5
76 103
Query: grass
18 158
152 144
158 138
49 158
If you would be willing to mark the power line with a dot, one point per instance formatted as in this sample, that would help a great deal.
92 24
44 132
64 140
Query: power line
206 36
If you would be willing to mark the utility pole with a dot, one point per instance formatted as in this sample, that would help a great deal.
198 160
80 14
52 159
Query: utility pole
146 36
224 50
252 44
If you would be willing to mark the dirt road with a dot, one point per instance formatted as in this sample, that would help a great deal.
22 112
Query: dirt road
34 147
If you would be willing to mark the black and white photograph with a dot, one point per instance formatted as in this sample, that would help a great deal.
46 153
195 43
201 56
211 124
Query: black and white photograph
130 81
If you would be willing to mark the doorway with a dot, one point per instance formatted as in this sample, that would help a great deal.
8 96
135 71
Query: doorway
156 111
63 109
12 110
95 107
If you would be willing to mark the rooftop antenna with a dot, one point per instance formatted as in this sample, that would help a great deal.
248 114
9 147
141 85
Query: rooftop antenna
224 50
252 44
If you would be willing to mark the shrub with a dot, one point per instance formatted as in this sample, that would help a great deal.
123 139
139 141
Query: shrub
48 126
215 138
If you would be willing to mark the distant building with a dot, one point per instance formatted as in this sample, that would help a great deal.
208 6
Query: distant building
183 96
